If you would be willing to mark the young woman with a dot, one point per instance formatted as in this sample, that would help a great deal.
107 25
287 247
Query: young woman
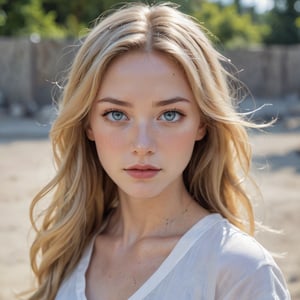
151 157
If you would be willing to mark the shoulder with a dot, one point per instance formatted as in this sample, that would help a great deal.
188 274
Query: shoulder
239 247
231 251
245 269
228 243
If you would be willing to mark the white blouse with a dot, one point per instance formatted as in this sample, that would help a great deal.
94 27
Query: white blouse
212 260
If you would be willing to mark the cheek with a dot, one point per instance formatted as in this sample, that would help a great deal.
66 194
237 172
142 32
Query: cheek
109 140
185 135
108 145
181 145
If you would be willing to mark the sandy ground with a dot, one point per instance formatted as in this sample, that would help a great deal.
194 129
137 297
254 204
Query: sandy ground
25 165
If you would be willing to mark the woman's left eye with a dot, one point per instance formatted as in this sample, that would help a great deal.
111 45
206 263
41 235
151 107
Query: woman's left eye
171 116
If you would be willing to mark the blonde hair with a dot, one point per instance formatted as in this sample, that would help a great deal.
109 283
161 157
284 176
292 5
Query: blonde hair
83 193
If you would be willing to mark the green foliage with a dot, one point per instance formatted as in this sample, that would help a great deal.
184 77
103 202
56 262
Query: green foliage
76 15
10 16
40 22
54 18
285 23
229 23
27 17
231 28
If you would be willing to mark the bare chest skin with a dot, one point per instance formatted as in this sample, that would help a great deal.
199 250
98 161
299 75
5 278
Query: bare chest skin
117 270
117 273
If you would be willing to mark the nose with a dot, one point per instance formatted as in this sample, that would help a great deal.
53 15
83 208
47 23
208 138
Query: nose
143 139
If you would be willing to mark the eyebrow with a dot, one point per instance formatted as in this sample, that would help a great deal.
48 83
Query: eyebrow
157 104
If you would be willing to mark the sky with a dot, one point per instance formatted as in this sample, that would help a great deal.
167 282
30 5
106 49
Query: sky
260 5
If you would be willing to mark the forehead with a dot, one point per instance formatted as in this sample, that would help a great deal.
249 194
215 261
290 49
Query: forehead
151 59
152 74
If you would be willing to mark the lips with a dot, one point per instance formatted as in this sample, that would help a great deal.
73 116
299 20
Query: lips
142 171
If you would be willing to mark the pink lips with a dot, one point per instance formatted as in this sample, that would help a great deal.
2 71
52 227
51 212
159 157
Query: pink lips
142 171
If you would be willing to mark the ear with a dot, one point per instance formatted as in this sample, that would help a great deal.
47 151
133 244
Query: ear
201 132
89 133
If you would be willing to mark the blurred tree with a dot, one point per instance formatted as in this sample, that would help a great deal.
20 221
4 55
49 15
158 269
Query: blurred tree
27 17
232 24
11 18
56 18
231 28
76 15
237 3
284 20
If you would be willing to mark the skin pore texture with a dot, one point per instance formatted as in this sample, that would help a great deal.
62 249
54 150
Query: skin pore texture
144 122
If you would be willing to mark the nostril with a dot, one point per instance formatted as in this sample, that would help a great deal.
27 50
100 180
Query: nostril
143 149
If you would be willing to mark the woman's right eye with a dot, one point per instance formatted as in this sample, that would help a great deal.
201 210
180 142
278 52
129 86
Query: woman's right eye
115 116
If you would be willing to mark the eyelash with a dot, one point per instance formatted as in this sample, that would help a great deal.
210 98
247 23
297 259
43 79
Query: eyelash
107 112
179 113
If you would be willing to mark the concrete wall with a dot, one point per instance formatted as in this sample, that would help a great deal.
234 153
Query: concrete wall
28 70
271 72
16 69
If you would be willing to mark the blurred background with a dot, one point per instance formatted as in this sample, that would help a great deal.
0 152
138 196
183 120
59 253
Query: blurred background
38 40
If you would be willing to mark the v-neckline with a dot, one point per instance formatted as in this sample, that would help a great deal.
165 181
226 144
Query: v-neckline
184 244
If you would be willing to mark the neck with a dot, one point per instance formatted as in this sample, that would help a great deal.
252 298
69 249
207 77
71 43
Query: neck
165 215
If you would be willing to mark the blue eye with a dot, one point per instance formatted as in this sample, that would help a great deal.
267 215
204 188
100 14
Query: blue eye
115 116
171 116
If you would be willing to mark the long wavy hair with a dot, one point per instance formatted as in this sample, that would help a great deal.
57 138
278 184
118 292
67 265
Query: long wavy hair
82 193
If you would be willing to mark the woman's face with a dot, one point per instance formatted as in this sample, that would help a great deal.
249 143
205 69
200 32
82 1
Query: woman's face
145 122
